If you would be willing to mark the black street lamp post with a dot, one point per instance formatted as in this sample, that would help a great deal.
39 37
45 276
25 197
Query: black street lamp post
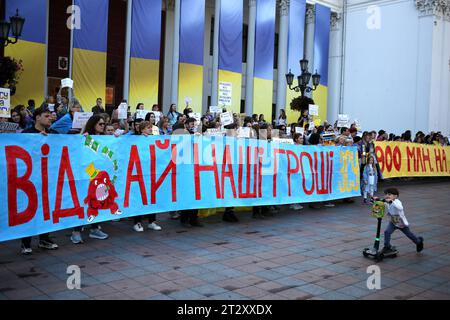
15 25
303 79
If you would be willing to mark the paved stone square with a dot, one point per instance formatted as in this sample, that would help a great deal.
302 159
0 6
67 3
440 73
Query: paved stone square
311 254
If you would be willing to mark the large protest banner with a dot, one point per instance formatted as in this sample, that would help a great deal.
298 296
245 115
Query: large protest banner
403 159
49 183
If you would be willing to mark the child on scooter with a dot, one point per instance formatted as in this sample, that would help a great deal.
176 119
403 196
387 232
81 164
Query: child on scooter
397 216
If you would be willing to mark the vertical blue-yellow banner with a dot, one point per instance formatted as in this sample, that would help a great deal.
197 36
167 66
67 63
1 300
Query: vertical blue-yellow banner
321 46
264 47
190 74
89 52
145 50
296 35
230 54
31 49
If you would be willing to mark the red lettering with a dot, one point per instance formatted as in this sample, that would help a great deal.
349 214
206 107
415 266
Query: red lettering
419 160
379 152
427 159
12 153
139 177
290 170
410 154
438 159
66 168
45 149
323 189
248 193
275 168
306 154
198 168
261 152
397 159
388 155
227 163
171 167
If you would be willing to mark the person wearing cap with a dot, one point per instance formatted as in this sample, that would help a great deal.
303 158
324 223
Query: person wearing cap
42 123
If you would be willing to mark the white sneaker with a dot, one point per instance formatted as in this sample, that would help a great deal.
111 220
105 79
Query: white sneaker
138 227
296 206
154 226
329 205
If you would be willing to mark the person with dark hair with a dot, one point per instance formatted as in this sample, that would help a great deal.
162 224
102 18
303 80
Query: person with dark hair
140 106
396 213
17 117
42 125
254 118
180 125
95 125
173 114
31 106
64 125
282 119
345 131
98 108
407 136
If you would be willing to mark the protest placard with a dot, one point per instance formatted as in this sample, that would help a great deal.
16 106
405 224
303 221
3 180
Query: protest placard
123 111
215 109
67 83
225 93
140 114
226 118
244 132
343 120
80 119
8 127
51 107
5 102
313 109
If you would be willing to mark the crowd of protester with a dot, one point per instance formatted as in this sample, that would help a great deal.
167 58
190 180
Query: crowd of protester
56 117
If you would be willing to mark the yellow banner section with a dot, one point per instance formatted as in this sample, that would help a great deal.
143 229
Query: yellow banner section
262 97
233 82
144 77
31 84
403 159
190 85
89 76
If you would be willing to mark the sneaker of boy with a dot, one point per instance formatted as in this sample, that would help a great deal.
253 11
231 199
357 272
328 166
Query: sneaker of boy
154 226
47 244
98 234
26 250
419 246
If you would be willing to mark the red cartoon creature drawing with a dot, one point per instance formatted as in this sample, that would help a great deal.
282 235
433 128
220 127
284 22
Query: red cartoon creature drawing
101 193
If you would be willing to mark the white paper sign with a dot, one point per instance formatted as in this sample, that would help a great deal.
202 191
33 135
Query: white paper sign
8 127
282 140
225 93
5 102
214 132
244 132
51 107
122 110
215 109
188 100
299 130
80 119
157 116
67 83
140 114
288 131
343 120
311 126
226 118
313 109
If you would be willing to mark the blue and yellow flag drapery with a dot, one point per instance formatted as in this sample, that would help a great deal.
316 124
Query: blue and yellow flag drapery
190 74
230 50
145 52
296 35
264 51
90 51
31 49
321 47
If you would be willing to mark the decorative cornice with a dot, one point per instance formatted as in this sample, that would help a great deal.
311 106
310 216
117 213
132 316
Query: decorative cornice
310 13
334 20
283 7
439 8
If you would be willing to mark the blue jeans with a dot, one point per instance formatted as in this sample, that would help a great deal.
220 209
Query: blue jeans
390 230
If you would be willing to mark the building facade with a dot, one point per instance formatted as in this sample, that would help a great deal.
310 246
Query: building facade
387 61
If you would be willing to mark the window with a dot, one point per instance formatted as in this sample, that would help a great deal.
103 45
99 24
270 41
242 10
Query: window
275 52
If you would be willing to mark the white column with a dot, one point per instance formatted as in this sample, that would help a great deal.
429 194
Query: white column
46 93
70 92
282 55
126 70
250 58
309 40
215 68
168 52
176 53
335 66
